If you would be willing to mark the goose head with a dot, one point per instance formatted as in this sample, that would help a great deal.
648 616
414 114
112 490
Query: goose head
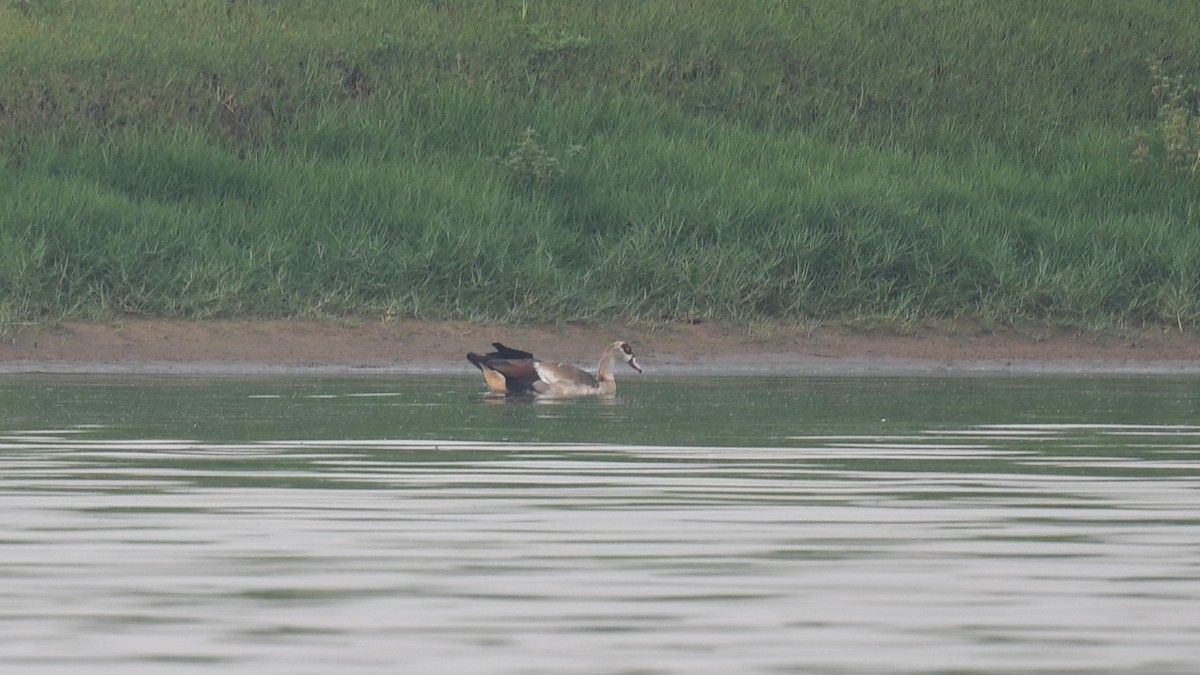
625 353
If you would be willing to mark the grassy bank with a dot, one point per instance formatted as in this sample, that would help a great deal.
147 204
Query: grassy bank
712 160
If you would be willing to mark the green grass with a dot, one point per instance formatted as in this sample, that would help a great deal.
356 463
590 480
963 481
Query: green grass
772 160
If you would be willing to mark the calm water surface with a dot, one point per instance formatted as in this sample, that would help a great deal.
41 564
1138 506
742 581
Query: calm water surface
726 525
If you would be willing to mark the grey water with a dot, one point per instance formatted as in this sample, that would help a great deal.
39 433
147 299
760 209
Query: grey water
692 525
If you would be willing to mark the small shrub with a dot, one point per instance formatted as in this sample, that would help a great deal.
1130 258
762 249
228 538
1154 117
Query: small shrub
1175 137
529 164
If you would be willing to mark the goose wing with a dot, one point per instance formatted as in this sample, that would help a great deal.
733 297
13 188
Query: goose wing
506 352
506 375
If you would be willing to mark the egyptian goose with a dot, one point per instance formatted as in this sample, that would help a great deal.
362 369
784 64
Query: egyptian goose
514 372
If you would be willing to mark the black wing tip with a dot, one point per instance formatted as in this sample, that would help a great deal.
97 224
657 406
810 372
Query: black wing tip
506 352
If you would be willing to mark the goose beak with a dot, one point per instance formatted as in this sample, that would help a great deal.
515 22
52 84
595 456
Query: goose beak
634 364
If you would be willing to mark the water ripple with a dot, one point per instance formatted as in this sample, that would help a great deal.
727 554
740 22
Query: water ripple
1010 546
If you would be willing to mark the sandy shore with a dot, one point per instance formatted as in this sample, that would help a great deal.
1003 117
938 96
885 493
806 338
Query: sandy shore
386 347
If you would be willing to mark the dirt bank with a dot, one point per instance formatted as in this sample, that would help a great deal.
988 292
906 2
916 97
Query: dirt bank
368 346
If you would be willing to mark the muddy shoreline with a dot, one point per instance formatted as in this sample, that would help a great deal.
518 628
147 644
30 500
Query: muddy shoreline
365 347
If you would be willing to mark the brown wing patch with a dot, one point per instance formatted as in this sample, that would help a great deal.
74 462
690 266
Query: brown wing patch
505 374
